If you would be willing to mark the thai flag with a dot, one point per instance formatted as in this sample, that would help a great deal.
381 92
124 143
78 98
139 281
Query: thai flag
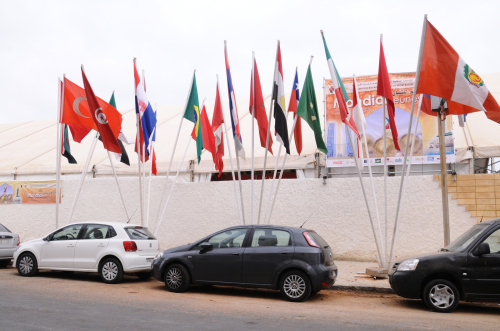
240 151
145 111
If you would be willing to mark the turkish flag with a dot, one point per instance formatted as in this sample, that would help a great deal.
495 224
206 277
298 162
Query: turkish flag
107 119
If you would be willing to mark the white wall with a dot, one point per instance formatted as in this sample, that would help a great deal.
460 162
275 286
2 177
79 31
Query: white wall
198 209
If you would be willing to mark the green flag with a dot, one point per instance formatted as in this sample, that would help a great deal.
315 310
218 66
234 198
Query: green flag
192 113
66 152
112 101
308 110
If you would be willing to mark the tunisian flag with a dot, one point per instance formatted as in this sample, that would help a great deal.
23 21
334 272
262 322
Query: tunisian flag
443 73
260 109
384 89
107 119
217 128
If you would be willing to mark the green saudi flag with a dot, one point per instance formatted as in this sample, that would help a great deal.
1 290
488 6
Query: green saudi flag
192 113
308 110
112 101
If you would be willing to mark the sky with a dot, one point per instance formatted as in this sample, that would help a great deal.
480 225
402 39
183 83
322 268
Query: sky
42 40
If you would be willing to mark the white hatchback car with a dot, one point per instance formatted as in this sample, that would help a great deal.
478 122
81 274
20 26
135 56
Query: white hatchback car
111 249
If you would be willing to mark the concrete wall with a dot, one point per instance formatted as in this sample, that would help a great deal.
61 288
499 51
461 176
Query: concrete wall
197 209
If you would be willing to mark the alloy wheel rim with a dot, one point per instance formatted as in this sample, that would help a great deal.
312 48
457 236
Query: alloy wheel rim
109 270
26 265
174 278
442 296
294 286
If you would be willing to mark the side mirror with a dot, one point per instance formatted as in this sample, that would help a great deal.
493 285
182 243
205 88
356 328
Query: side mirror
482 249
206 246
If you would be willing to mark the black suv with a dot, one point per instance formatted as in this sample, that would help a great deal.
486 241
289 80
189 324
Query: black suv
294 260
468 269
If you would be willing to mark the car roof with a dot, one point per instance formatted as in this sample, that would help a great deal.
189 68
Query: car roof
492 221
267 226
109 223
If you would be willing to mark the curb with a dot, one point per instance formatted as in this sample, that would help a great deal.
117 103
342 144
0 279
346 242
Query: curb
362 288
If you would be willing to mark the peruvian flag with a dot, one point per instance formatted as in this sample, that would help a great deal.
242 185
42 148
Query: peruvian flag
217 128
257 102
384 89
443 73
107 119
359 118
292 107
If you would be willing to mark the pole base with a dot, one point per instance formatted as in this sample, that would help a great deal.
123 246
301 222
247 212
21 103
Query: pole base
377 272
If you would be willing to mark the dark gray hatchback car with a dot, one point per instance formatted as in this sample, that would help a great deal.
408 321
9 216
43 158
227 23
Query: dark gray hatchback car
296 261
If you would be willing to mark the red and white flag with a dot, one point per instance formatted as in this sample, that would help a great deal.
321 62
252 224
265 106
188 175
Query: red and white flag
359 118
217 129
292 107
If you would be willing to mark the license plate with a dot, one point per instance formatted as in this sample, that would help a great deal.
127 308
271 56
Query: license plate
149 260
7 241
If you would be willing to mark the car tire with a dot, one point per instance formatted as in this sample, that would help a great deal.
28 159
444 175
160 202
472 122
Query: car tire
144 275
4 263
176 278
111 271
441 295
295 286
27 265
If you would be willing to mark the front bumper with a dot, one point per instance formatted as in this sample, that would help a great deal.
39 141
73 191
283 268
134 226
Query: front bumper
156 269
406 283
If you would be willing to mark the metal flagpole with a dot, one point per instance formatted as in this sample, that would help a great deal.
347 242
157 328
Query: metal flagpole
60 108
386 258
173 185
401 187
444 176
144 158
149 186
271 106
138 144
230 156
82 177
173 151
236 151
382 252
253 120
117 184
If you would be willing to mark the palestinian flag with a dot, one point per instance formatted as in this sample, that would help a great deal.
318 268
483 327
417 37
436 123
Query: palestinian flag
308 110
192 113
65 149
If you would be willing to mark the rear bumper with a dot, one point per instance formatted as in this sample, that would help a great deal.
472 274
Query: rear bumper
324 277
133 262
7 253
406 283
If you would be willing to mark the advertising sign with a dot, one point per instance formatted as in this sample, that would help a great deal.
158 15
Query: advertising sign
426 150
21 192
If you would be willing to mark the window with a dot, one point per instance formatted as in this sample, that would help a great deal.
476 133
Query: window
494 241
138 232
270 237
96 231
67 233
466 239
228 239
3 228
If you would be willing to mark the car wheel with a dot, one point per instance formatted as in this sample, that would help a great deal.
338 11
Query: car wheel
4 263
144 275
177 278
111 271
295 286
27 265
441 295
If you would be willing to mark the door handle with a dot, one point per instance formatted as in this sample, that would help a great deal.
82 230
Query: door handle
284 252
237 253
71 245
100 245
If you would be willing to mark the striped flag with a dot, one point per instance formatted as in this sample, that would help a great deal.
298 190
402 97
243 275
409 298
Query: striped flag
280 124
235 122
217 128
359 119
292 107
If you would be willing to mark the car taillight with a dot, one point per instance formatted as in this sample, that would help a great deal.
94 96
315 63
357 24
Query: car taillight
18 240
310 240
129 246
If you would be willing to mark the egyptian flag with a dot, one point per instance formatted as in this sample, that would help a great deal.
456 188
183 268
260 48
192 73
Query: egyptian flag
384 89
106 118
257 103
280 124
292 107
217 128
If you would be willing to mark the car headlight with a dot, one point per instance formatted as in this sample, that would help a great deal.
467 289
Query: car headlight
158 256
408 265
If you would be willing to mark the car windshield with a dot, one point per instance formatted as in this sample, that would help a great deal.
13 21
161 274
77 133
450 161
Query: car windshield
138 232
464 240
3 228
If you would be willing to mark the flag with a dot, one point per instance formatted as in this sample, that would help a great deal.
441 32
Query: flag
146 115
340 91
384 89
106 118
235 121
426 106
123 156
217 128
260 109
360 121
308 110
206 132
65 149
443 73
292 107
280 124
192 113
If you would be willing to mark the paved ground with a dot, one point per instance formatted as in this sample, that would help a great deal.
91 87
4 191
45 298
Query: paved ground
349 269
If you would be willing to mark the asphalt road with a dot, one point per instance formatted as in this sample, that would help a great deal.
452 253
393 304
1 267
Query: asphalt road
78 301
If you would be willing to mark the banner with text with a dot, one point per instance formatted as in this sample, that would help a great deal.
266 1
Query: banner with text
21 192
426 150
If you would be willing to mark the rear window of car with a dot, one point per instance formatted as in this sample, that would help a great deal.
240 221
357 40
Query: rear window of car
318 239
3 228
139 232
